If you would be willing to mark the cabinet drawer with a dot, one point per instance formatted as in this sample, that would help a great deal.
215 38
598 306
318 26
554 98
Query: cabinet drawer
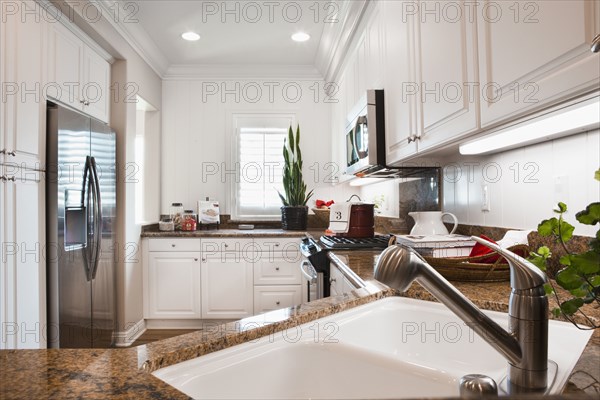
174 244
215 245
269 298
288 248
277 271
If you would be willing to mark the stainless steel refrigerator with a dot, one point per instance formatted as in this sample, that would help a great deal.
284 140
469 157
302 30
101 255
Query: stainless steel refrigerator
80 212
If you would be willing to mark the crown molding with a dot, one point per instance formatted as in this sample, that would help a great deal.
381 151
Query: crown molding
337 38
136 36
242 72
76 30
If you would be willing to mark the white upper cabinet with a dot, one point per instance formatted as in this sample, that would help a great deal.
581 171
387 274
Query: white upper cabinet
79 77
534 54
446 68
22 116
400 109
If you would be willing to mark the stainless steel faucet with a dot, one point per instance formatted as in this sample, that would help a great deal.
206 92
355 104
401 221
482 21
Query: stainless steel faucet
525 345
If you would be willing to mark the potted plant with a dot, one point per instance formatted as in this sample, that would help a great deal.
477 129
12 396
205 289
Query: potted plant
580 275
294 213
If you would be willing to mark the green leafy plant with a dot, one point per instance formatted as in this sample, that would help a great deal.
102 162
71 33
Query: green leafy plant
581 273
293 183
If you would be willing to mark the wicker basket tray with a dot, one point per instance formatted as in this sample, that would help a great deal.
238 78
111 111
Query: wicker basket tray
471 269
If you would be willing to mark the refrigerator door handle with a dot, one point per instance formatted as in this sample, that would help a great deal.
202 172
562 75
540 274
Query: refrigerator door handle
97 217
87 176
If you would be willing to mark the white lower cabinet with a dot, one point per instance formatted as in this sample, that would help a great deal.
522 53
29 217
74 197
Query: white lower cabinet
338 283
219 278
269 298
174 285
227 286
23 267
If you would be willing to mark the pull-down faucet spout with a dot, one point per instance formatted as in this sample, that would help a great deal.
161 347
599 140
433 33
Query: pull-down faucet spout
525 345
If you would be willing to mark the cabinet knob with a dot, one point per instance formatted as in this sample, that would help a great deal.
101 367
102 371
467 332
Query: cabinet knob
82 101
332 280
412 138
278 302
276 268
86 103
3 178
195 259
12 179
204 260
276 244
226 245
3 151
12 153
172 245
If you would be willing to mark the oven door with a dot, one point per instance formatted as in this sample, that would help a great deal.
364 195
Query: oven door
312 282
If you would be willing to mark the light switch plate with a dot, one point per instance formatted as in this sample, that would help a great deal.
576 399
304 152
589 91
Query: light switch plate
485 198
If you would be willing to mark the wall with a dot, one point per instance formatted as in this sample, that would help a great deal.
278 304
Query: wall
197 134
525 184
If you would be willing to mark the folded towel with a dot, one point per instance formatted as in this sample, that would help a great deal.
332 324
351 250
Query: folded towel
339 217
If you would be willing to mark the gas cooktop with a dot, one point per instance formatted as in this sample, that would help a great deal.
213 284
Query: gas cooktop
338 242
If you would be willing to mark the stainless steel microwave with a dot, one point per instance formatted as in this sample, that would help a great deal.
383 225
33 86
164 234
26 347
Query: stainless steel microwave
365 138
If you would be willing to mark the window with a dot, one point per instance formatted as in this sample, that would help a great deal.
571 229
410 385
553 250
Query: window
258 146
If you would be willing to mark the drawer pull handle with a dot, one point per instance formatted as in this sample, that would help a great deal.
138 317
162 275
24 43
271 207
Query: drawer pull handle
278 302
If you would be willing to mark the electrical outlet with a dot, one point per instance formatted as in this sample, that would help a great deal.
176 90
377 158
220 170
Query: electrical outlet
485 196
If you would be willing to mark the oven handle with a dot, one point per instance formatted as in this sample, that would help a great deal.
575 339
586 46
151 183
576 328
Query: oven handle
307 275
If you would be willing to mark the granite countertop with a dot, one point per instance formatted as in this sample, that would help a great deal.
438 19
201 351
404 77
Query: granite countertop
124 373
224 233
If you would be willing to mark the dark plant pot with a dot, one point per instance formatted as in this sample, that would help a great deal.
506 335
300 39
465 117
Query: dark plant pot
294 218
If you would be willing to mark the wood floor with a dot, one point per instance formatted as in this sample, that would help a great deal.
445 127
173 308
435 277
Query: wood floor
152 335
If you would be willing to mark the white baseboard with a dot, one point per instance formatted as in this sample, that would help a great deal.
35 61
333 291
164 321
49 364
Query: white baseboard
126 338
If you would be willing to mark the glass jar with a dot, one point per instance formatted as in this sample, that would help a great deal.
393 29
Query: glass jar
166 225
177 215
189 221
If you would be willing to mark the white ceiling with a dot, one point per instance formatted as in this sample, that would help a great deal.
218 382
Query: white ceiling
233 38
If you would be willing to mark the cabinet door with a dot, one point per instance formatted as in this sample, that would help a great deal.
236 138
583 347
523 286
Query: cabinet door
22 59
65 68
336 281
174 285
446 73
227 286
22 278
96 85
400 105
269 298
375 50
534 54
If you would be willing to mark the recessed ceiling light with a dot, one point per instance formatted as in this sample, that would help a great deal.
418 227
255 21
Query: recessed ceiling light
300 37
190 36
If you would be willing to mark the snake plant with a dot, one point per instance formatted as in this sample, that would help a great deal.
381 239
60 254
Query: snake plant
293 183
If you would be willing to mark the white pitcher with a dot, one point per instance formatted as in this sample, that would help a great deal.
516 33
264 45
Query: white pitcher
430 223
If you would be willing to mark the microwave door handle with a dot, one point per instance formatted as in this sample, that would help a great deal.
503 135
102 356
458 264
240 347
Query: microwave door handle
362 120
97 217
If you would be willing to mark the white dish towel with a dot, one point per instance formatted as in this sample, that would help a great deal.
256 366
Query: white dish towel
339 217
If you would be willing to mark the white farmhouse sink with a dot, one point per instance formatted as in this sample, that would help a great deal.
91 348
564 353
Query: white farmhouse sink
391 348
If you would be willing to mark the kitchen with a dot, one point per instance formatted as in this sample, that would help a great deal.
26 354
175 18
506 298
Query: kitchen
451 73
